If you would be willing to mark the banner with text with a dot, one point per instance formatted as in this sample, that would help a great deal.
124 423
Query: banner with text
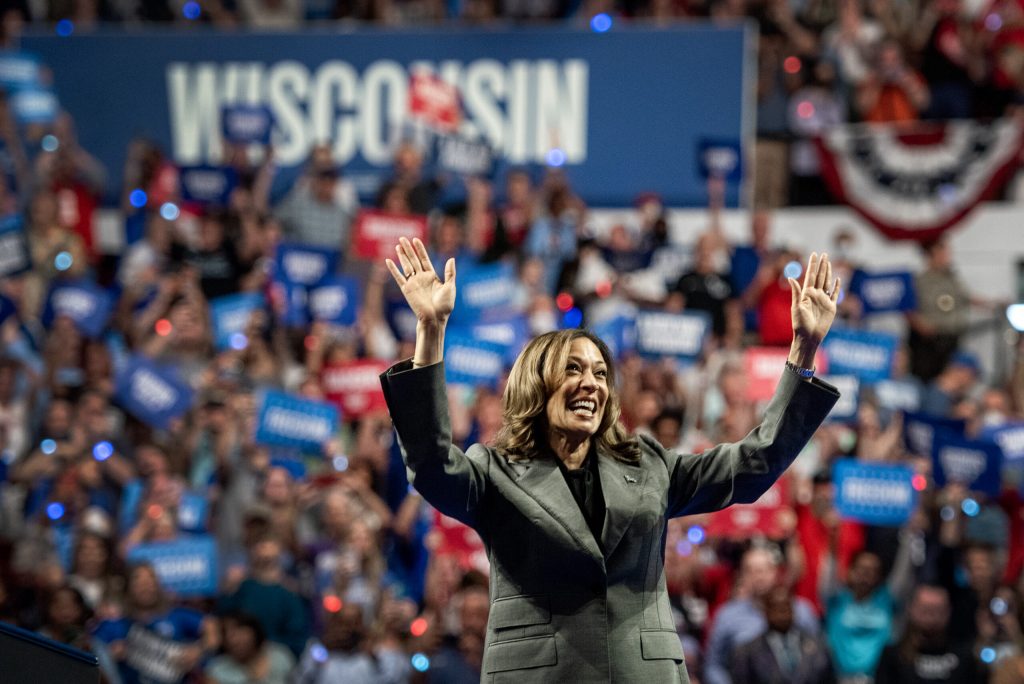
152 393
187 567
377 233
884 292
354 387
874 494
975 464
288 420
867 355
681 335
470 361
84 302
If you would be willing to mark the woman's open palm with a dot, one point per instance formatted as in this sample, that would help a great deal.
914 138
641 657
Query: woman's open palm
429 298
814 302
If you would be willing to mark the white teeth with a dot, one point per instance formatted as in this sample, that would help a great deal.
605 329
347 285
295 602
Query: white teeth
583 407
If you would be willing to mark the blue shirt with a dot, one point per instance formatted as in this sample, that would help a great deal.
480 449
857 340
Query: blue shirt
153 648
858 631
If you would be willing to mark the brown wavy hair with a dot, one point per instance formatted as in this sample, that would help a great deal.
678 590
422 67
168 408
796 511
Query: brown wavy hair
535 376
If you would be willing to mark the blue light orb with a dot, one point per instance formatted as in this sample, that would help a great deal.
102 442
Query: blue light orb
238 341
49 143
102 451
65 27
555 157
63 261
48 446
341 463
572 318
970 507
695 534
794 269
319 653
191 10
684 548
947 513
138 198
420 662
169 210
600 23
55 511
988 655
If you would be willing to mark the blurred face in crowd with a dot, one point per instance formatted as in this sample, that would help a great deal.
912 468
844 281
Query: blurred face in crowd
344 630
518 188
58 419
449 235
865 574
940 255
576 407
240 641
91 558
144 588
778 609
758 571
66 609
474 610
278 488
408 160
324 182
667 430
929 610
980 565
44 210
211 233
265 560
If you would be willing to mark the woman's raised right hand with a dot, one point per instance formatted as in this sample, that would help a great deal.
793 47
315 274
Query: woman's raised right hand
429 298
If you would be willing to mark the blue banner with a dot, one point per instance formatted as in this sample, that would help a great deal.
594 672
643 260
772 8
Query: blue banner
230 315
84 302
288 420
619 333
187 567
1010 439
568 97
192 512
335 300
292 300
18 71
512 333
973 463
469 361
898 395
868 355
247 124
401 319
919 431
845 410
208 185
874 494
884 292
34 106
681 335
153 394
304 265
721 159
484 291
14 254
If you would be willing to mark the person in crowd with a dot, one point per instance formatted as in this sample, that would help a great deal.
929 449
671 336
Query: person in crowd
248 657
892 92
321 207
940 320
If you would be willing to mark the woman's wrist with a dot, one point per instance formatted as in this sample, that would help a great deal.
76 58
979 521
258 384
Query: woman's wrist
429 343
802 352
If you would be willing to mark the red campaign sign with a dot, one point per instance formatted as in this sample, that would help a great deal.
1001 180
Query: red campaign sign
450 537
764 366
354 387
435 101
771 515
377 232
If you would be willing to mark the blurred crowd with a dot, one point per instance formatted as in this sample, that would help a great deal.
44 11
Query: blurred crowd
330 568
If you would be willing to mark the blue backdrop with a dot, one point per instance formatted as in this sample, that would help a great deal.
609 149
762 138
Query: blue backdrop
629 110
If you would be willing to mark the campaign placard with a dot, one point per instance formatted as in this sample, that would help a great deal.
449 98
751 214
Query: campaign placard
919 431
193 509
335 300
401 319
767 516
1010 439
898 395
484 290
187 566
305 265
377 233
34 105
14 254
867 355
845 410
247 124
19 71
354 387
290 303
230 316
288 420
154 394
84 302
763 367
884 292
720 158
619 333
681 335
207 185
975 464
434 101
874 494
512 333
458 155
470 361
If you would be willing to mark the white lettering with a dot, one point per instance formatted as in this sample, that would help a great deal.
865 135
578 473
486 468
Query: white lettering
297 425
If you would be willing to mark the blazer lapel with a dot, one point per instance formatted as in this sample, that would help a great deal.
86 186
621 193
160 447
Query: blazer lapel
621 484
544 482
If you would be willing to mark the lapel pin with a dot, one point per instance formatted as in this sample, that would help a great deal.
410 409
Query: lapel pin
630 479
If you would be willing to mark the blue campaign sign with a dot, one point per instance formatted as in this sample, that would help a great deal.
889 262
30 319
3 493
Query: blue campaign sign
563 96
207 185
294 312
898 395
874 494
305 265
34 105
230 315
469 361
246 124
153 394
84 302
192 512
721 159
619 333
682 335
7 309
919 431
187 567
1010 439
884 292
131 496
512 333
401 319
464 157
975 464
335 300
287 420
845 410
18 71
14 254
484 291
868 355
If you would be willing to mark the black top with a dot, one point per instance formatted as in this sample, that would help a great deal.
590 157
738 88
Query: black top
585 485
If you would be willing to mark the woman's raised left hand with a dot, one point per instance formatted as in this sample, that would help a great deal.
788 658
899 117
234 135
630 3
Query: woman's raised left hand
814 302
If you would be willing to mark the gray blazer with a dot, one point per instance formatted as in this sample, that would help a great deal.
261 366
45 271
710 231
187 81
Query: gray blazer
561 609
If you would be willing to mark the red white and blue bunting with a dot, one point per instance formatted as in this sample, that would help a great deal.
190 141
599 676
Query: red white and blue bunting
914 183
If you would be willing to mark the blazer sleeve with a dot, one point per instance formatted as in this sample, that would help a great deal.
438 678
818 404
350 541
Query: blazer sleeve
743 471
453 482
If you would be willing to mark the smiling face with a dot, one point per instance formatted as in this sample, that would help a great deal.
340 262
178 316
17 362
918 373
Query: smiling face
577 405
